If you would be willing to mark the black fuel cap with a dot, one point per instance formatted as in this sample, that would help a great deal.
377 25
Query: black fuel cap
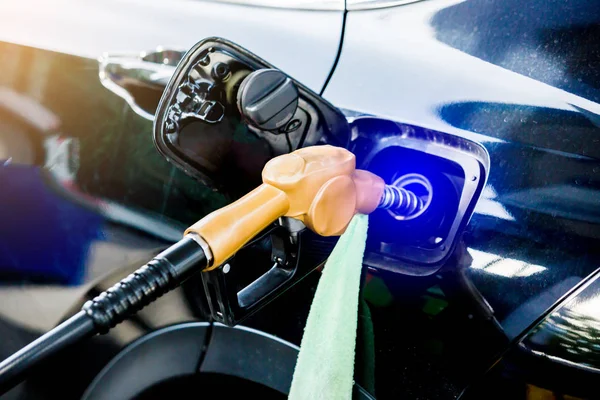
268 99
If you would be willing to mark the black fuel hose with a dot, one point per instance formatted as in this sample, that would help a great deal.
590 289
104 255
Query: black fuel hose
163 273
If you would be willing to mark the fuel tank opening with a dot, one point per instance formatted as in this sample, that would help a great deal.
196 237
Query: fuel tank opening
420 199
435 177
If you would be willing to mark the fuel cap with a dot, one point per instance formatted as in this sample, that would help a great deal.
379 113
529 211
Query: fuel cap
268 99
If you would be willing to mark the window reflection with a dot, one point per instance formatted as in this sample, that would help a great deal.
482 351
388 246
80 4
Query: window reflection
570 334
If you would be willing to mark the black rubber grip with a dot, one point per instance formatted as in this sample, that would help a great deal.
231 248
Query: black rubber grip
130 295
165 272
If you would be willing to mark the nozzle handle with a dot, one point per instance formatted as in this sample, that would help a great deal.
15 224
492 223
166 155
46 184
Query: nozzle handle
228 229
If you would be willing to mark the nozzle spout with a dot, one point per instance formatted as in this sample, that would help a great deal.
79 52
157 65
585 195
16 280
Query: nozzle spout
400 201
407 197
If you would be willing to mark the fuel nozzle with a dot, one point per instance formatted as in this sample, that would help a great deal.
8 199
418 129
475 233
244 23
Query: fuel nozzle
319 186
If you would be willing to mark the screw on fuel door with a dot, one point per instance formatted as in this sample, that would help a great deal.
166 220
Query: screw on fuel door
268 99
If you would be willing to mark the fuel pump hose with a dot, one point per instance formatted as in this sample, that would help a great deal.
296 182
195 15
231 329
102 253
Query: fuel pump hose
163 273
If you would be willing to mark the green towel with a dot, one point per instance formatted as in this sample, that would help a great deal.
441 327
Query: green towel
325 365
364 362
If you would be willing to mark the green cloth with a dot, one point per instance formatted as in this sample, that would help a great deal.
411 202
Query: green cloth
325 366
364 362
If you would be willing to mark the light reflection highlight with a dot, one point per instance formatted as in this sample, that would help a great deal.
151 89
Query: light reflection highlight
508 267
487 205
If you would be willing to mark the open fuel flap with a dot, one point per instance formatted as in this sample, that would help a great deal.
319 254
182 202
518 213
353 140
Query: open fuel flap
446 171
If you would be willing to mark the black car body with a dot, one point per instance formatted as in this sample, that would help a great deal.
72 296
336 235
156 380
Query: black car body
86 198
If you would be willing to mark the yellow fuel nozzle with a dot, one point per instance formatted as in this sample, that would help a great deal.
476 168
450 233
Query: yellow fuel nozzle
319 186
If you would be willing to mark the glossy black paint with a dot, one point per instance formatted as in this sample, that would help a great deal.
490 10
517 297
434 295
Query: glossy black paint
545 175
533 238
555 42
